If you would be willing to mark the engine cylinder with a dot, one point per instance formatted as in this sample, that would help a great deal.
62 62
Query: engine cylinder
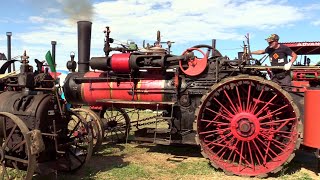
311 131
120 63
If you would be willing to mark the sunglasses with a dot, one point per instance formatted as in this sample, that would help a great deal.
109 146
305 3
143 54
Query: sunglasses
270 42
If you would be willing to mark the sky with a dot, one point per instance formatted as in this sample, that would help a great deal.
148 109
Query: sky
35 23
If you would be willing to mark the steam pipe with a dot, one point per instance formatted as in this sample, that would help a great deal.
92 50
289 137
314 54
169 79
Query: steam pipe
53 44
9 34
84 39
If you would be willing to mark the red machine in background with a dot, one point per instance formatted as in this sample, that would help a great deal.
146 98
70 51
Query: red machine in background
244 123
305 78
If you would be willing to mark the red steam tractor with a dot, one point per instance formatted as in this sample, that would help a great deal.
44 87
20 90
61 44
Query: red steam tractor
245 124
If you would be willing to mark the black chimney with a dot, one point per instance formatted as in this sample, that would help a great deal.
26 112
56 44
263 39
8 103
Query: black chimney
9 34
84 38
53 45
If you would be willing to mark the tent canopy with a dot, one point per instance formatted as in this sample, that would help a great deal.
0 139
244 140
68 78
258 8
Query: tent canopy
304 48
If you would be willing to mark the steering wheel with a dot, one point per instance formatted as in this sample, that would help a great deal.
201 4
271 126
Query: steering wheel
194 66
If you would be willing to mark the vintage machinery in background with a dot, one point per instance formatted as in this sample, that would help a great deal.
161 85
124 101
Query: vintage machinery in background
38 134
245 124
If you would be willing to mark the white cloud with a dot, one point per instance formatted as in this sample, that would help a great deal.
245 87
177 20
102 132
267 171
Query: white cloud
195 20
52 10
178 20
316 23
36 19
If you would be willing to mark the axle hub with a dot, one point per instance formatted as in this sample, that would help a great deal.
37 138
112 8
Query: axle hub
245 126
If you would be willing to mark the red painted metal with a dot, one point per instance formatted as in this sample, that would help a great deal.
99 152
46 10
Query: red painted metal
195 66
300 86
311 131
304 47
306 75
92 92
246 129
120 63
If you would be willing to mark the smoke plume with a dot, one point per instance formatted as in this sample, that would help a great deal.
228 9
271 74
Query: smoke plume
78 10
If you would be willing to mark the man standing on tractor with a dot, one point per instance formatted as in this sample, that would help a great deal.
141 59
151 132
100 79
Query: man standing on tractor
278 55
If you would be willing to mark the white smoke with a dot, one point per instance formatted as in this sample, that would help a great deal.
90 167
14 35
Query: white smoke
77 10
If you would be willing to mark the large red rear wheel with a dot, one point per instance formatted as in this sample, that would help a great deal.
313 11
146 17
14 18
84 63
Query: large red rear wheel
248 126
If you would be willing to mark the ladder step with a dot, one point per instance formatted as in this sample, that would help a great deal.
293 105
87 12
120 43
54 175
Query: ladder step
165 118
162 141
159 130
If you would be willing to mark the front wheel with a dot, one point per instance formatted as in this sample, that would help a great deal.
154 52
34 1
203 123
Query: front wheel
248 126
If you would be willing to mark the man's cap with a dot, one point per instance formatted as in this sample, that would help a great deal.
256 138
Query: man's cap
273 37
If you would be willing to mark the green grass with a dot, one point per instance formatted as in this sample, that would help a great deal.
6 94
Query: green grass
193 168
297 176
131 171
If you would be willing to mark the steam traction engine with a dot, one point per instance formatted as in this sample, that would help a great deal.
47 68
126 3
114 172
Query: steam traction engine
37 133
244 123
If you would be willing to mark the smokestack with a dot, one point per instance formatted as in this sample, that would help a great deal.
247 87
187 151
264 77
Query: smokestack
53 44
9 34
84 39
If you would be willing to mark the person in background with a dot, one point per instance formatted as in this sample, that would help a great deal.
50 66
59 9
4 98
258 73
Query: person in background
278 55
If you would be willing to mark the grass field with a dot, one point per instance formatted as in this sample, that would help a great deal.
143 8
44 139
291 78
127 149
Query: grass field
134 161
147 161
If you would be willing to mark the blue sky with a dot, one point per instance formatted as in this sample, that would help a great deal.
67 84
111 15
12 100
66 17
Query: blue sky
35 23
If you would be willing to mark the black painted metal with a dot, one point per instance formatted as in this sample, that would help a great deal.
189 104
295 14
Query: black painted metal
9 34
53 44
84 40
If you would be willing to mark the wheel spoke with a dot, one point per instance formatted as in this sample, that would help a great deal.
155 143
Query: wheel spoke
226 146
250 152
19 145
74 128
269 115
76 157
232 150
219 114
233 108
277 122
248 98
265 145
239 99
16 159
241 152
228 112
264 107
267 151
258 149
257 100
4 171
9 137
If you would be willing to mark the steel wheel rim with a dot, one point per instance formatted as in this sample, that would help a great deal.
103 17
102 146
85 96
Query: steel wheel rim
79 148
116 124
243 134
29 160
96 123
